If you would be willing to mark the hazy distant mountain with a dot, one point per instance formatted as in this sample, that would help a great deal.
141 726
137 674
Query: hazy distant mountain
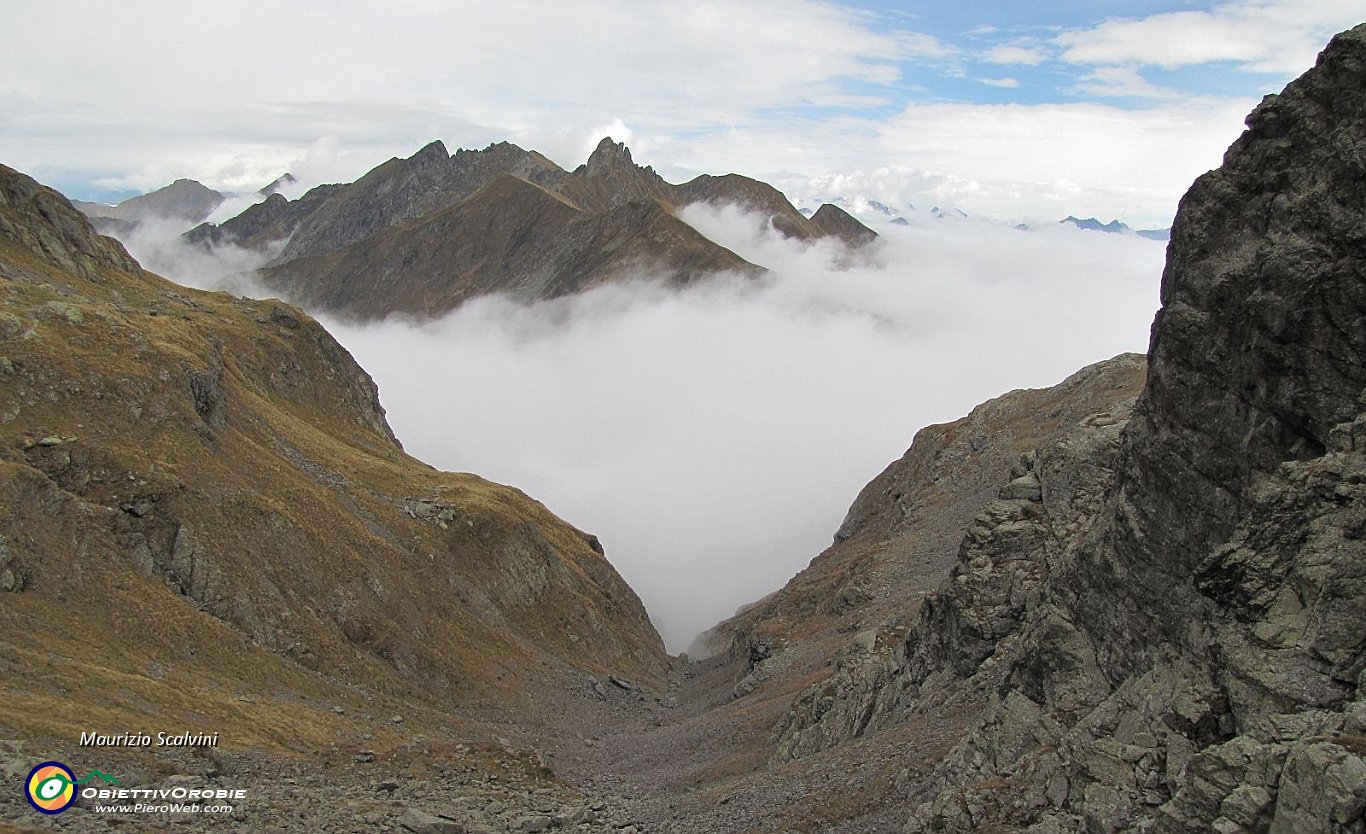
1115 227
184 200
864 207
1094 225
422 234
285 179
949 213
833 221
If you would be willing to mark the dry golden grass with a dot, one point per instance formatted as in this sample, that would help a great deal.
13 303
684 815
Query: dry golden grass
136 414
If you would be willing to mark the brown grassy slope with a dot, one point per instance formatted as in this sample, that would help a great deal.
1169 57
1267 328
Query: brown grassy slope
199 497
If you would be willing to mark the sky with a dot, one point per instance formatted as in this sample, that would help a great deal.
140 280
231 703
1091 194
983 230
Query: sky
1002 109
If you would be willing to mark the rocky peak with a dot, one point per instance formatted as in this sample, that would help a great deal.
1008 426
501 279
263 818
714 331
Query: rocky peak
833 221
184 200
1257 353
609 157
282 181
432 152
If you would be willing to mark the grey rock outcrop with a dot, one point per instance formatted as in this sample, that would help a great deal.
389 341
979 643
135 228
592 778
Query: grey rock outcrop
1165 627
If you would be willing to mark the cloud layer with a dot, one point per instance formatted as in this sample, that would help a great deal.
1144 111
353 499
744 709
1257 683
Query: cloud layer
1269 36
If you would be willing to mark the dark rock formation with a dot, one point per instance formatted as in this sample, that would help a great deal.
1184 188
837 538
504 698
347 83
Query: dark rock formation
511 237
1166 626
833 221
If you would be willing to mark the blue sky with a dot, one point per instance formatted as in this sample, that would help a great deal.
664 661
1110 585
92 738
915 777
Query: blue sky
1008 52
1004 109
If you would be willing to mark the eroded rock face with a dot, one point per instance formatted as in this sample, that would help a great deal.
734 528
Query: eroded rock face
1167 627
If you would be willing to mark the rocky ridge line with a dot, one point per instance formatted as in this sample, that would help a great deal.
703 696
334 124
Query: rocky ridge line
423 234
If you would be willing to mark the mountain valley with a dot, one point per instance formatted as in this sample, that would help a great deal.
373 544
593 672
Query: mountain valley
1134 601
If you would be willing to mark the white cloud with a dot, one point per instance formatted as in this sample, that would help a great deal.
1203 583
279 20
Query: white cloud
918 46
1271 36
157 245
1121 82
771 89
713 438
1007 54
1037 161
202 89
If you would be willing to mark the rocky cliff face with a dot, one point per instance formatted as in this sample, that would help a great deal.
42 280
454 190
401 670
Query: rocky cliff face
420 235
202 499
1165 626
902 533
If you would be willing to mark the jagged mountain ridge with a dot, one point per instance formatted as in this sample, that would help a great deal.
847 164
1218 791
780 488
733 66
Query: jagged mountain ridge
203 497
1158 623
1115 227
480 246
347 244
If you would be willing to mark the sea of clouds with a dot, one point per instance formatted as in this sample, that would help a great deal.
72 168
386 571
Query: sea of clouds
713 437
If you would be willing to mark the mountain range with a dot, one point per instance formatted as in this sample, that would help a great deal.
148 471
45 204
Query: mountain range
421 235
207 486
1116 227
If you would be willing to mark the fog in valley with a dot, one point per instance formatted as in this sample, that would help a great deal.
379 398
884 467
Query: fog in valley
714 436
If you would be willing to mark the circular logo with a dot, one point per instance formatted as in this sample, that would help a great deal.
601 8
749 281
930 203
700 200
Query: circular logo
51 787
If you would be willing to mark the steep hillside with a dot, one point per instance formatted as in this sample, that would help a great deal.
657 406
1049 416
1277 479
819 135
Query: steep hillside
206 520
420 235
1162 629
